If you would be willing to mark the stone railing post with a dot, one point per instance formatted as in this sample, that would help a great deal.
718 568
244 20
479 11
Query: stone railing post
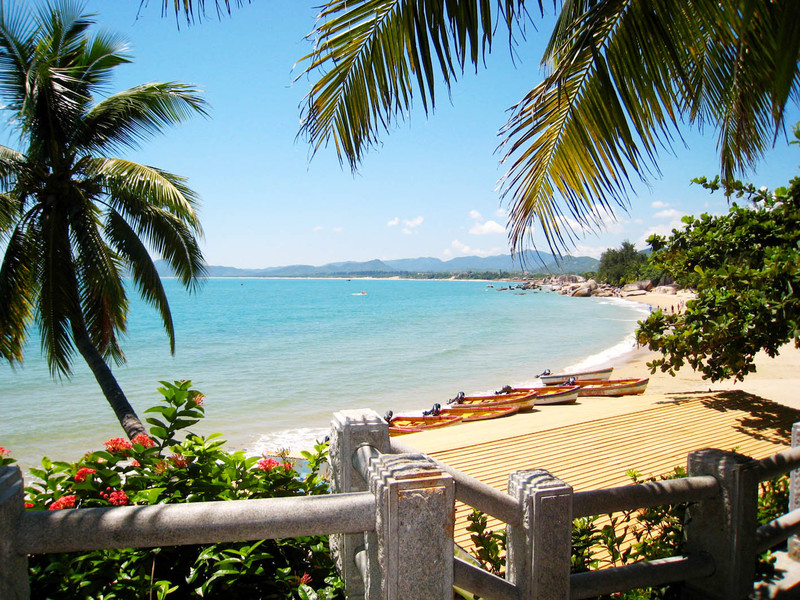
351 429
13 565
538 551
724 527
410 555
794 496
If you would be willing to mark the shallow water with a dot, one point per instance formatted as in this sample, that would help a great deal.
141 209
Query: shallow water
277 357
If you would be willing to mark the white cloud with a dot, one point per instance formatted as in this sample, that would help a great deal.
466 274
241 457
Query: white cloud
659 204
475 215
338 229
458 248
501 213
582 250
318 228
487 228
412 223
670 213
393 222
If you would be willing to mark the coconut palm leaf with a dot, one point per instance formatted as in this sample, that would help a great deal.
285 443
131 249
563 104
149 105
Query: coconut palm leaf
132 116
148 282
75 220
623 74
373 56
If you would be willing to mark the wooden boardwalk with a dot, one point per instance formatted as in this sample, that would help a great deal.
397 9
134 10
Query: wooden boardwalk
652 441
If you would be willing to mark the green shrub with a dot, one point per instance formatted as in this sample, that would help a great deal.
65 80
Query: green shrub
631 536
160 469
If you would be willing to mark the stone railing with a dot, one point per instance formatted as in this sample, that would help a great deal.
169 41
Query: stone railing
391 517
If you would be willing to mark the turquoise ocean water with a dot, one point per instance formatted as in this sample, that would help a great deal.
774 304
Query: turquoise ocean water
276 358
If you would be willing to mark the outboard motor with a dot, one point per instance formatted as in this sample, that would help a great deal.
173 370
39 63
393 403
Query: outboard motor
457 400
434 411
388 416
545 372
571 381
506 389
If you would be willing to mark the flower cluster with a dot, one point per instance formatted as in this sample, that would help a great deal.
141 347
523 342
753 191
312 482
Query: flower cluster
267 464
118 445
4 452
143 440
115 497
179 461
5 457
80 476
63 502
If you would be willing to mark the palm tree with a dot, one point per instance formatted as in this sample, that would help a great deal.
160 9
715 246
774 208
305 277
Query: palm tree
74 221
621 78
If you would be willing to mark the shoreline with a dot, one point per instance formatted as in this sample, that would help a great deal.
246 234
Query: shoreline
775 380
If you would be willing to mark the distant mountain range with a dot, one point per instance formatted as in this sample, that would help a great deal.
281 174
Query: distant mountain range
534 262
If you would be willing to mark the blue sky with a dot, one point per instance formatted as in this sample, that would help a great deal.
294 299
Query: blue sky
429 189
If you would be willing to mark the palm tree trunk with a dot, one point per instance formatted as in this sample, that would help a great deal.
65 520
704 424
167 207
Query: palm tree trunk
105 378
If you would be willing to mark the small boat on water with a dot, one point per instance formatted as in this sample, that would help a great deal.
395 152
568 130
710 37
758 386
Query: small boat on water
399 425
551 394
522 400
473 413
613 387
562 378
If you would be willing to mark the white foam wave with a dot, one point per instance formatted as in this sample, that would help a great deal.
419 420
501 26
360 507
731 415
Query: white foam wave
291 440
606 357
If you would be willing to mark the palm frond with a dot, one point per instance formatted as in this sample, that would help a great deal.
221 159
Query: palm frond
196 9
58 294
104 304
148 282
127 181
128 118
374 55
18 293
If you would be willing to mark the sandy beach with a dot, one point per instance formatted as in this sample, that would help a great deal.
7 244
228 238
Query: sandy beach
776 379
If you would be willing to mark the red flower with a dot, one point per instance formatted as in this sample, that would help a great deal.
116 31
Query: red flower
63 502
267 464
305 579
117 497
80 476
161 466
120 445
135 463
287 466
179 461
29 505
198 399
144 440
4 452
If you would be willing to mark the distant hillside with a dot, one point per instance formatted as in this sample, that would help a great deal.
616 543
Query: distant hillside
534 262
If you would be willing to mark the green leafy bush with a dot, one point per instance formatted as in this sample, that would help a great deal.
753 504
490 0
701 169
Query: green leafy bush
631 536
160 469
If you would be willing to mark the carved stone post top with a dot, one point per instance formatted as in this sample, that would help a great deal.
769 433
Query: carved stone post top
358 416
715 462
534 479
405 467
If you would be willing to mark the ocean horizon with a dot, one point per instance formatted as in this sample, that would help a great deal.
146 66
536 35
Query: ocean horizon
277 357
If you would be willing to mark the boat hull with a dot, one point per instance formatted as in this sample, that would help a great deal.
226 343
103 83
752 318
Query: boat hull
479 413
561 378
523 401
554 394
613 387
400 425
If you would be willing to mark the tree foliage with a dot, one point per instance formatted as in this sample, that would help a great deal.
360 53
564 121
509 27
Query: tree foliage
625 264
745 266
75 220
621 79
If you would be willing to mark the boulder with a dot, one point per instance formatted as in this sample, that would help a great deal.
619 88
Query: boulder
665 289
637 285
633 293
583 291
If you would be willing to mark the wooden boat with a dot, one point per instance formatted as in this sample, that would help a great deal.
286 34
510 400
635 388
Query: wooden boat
612 387
400 425
548 379
522 400
551 394
476 412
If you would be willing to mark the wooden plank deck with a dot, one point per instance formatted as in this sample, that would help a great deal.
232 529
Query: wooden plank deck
653 441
